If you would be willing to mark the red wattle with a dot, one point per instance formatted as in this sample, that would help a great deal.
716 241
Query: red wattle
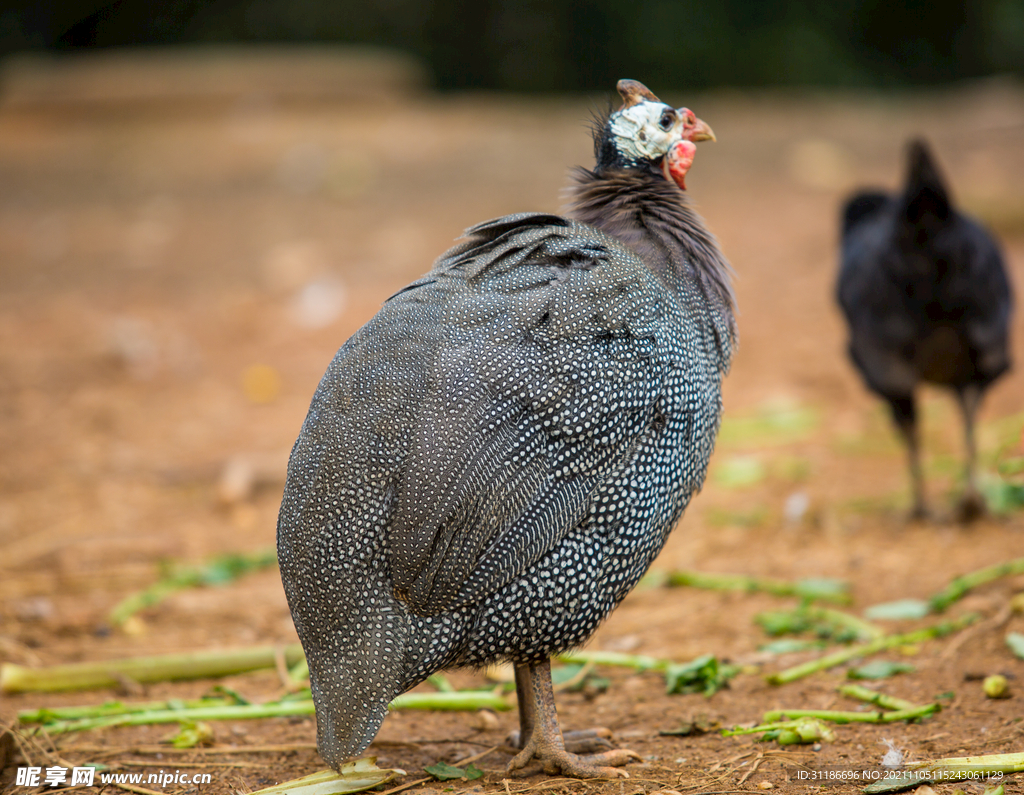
678 160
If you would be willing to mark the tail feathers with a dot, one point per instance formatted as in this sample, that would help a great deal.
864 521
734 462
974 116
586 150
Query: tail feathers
925 198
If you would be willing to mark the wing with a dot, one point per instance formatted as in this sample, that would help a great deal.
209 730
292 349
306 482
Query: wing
980 291
544 375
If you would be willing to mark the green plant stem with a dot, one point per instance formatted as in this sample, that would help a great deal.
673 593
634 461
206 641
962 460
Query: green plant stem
764 727
170 667
840 716
742 582
862 693
219 570
460 700
864 630
961 585
794 620
102 719
960 767
298 674
112 708
157 716
866 649
614 658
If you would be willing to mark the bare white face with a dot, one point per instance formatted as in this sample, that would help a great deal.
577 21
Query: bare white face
647 130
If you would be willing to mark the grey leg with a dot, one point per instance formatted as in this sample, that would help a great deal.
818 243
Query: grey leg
904 414
972 504
541 736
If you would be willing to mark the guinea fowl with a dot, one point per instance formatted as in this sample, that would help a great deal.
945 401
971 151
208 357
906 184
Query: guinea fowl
491 464
927 299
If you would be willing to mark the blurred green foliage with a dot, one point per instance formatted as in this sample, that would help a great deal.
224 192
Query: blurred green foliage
546 45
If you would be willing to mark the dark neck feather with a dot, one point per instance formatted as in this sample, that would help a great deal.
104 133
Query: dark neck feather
651 216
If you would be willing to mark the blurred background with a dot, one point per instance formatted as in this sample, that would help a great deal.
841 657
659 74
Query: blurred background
200 201
572 46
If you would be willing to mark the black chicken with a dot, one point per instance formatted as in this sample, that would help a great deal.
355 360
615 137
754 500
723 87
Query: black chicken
491 464
927 299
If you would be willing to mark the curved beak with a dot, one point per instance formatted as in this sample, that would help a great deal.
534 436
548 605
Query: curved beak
693 128
701 132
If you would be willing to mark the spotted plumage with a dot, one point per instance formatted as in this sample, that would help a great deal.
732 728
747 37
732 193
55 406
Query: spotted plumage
493 461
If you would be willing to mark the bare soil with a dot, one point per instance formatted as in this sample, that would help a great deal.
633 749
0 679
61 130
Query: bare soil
176 276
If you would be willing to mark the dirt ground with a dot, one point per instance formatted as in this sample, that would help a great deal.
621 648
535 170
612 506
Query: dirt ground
175 276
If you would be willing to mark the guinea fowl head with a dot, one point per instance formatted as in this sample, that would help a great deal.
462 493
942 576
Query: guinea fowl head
646 134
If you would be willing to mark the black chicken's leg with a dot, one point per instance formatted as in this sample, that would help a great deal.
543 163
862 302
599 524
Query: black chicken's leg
972 505
905 416
542 738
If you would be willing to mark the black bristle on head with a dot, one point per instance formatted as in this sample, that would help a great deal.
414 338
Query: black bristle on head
606 156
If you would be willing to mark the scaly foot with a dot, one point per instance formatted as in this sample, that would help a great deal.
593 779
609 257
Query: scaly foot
557 761
970 507
542 742
583 741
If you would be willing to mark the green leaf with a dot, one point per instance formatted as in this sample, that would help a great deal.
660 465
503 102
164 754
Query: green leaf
702 675
783 622
442 771
1016 643
825 624
902 609
1002 496
565 673
879 669
233 696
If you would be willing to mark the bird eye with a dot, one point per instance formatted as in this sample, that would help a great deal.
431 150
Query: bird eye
667 119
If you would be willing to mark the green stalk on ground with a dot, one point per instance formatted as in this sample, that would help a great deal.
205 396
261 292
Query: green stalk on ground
106 715
801 731
112 708
841 716
705 674
158 716
163 668
811 589
218 571
823 621
640 662
959 587
862 693
956 768
873 647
